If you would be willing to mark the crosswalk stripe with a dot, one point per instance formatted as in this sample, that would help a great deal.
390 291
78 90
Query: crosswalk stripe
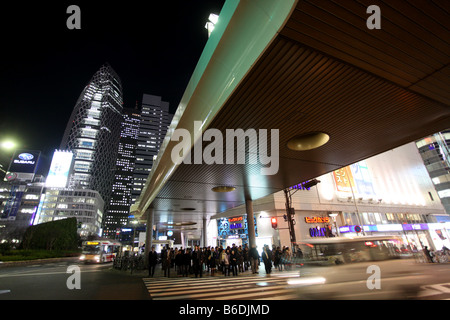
210 283
219 288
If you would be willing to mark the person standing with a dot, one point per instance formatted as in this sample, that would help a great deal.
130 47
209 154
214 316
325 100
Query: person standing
212 261
197 262
152 261
234 261
267 259
254 259
428 254
225 261
186 262
166 261
277 259
245 256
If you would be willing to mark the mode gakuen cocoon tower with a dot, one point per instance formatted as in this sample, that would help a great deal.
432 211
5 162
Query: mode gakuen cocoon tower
93 133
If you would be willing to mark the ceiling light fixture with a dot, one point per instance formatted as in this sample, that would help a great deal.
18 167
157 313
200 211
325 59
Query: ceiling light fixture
223 189
308 141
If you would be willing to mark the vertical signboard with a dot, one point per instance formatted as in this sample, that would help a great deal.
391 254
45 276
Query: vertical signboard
344 180
24 161
363 180
59 169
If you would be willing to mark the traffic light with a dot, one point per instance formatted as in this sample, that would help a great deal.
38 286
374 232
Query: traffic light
274 222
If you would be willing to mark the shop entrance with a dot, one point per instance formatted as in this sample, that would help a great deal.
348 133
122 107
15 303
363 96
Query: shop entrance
261 242
229 242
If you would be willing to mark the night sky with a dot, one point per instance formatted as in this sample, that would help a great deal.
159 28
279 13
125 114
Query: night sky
154 47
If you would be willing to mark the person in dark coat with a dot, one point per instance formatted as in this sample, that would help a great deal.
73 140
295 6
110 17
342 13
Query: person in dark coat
254 259
152 261
179 261
267 259
197 262
186 262
428 254
166 260
212 260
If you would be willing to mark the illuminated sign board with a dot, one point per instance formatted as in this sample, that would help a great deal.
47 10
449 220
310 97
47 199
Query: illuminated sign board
59 169
236 223
343 179
24 161
385 227
236 226
317 220
317 232
356 177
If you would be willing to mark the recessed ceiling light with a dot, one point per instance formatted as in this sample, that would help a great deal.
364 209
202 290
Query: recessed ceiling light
308 141
223 189
171 224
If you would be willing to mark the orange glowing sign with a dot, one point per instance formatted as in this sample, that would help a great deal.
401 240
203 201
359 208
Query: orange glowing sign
317 220
235 219
344 179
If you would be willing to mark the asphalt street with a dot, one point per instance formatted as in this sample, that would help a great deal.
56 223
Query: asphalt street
49 281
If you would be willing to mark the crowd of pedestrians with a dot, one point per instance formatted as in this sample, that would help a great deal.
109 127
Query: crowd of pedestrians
229 261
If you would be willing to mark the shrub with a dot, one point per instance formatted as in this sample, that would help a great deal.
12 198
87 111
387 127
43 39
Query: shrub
54 235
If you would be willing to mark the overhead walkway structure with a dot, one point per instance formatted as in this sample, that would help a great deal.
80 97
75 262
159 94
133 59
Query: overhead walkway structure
302 67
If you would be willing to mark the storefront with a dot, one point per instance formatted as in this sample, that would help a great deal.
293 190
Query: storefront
233 230
389 194
415 236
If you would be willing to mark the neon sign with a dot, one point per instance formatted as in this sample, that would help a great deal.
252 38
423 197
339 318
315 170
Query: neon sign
317 220
236 226
317 232
236 223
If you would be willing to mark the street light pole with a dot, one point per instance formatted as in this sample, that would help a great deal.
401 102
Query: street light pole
354 201
290 211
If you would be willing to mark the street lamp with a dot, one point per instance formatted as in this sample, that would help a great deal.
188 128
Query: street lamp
212 20
8 145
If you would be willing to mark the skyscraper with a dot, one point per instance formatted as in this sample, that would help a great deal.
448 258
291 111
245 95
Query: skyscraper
93 132
435 152
118 209
155 120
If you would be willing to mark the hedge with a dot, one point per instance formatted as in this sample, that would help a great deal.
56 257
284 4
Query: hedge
54 235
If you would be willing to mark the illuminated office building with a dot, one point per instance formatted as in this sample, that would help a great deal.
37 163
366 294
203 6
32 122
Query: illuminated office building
83 204
118 209
435 153
93 132
155 120
20 192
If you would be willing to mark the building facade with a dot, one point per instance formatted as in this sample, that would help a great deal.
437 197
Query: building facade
155 120
435 152
20 192
57 201
118 209
19 202
93 132
83 204
389 194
